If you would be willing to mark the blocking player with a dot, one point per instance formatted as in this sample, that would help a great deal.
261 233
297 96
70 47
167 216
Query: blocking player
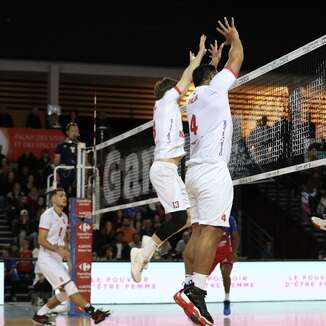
169 150
208 179
226 255
53 249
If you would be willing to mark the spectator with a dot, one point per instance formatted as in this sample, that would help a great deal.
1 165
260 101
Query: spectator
44 167
30 184
103 237
6 120
23 175
136 241
16 194
181 245
268 252
10 180
25 266
123 250
321 206
11 273
110 253
322 255
157 221
32 200
33 119
118 218
131 212
147 227
25 229
66 154
27 160
127 230
4 188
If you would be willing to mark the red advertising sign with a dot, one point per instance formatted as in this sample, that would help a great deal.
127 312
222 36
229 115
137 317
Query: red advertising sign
83 247
83 208
16 141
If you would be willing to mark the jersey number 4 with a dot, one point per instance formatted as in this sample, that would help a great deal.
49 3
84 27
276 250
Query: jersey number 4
193 125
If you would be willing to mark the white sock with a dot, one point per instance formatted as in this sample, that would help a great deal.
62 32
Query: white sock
149 249
44 310
188 279
200 280
227 296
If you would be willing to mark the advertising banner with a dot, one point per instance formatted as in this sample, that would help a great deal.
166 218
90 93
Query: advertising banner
81 248
16 141
251 281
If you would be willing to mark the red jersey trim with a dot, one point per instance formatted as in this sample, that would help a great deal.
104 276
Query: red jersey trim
178 90
40 228
230 69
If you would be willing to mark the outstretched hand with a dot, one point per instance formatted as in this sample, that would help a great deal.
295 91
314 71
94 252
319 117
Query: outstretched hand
215 52
228 31
202 49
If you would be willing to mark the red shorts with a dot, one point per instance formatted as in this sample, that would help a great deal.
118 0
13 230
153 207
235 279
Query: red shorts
223 256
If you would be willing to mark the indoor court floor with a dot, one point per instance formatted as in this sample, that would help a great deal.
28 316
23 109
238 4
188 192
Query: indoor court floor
312 313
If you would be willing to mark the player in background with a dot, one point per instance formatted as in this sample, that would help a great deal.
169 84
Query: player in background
226 256
208 179
53 249
169 150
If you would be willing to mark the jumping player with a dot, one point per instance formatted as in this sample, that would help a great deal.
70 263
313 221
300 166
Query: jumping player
226 255
208 179
53 249
169 150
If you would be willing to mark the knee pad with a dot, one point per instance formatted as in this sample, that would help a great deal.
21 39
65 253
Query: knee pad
70 288
172 226
61 296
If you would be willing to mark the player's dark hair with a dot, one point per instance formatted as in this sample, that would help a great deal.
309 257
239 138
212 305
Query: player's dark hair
203 73
162 86
55 191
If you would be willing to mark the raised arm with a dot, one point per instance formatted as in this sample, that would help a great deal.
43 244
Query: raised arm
195 61
232 38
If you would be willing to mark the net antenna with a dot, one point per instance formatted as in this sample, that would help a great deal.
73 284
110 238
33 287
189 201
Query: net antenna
273 109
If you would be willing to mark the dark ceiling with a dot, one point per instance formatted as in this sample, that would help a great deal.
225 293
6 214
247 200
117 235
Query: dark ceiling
151 33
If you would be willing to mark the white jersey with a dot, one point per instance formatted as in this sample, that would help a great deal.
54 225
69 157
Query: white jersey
167 129
210 121
57 228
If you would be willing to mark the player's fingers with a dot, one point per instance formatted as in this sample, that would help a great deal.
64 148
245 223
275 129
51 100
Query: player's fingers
232 22
215 44
221 31
226 22
221 47
222 26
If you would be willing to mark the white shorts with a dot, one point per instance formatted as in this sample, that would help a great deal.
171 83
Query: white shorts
170 188
54 271
210 190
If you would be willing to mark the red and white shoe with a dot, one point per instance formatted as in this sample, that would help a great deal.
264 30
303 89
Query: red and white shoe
318 223
193 309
